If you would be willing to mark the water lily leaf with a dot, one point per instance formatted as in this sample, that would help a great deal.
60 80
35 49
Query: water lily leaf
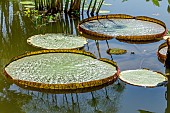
143 77
168 9
116 51
29 6
162 51
57 41
155 2
61 69
104 11
106 4
27 3
123 27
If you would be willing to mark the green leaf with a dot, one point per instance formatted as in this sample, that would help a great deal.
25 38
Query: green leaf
116 51
155 2
104 11
168 32
169 1
29 6
107 4
27 3
168 9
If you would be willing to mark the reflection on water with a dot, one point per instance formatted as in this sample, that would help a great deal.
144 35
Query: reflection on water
104 100
16 28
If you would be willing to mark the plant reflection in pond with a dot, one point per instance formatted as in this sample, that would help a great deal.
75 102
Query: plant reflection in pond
105 100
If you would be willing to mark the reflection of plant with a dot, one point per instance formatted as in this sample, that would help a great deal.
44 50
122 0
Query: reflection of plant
96 101
67 6
13 100
144 111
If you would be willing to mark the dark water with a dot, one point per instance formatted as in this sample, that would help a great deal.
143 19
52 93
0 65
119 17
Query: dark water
16 28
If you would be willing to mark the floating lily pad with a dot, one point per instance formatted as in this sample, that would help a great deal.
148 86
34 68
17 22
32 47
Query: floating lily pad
27 3
162 51
29 6
107 4
116 51
57 41
61 69
104 11
143 77
123 27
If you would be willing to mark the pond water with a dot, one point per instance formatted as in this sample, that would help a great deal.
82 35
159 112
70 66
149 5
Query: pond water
16 28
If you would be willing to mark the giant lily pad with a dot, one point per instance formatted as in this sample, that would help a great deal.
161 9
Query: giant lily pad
57 41
123 27
61 69
143 77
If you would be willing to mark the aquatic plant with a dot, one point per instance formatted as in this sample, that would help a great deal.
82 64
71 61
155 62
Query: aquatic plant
162 51
61 69
116 51
57 41
67 6
123 27
143 77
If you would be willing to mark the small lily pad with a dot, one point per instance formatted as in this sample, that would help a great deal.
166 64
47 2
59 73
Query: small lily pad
107 4
116 51
57 41
27 3
162 51
104 11
29 6
143 77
